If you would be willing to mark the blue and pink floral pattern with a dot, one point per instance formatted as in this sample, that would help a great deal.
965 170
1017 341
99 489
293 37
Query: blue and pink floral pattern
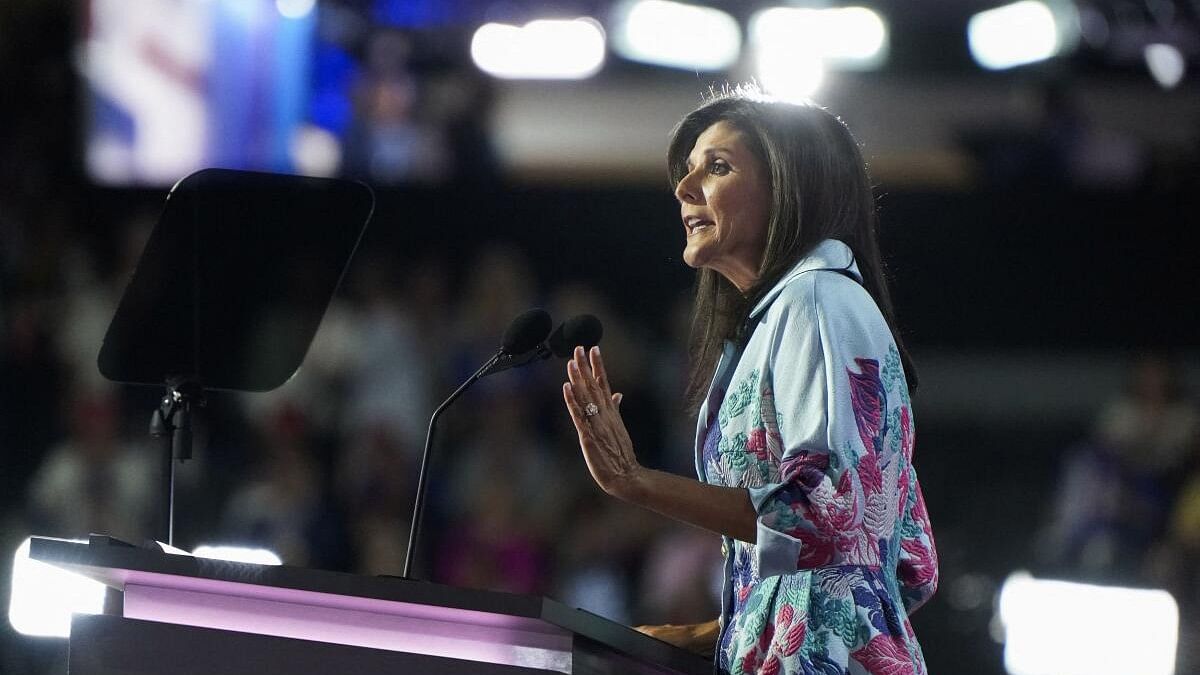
813 417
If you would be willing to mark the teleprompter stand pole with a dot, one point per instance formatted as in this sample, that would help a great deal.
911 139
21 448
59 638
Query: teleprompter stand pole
172 422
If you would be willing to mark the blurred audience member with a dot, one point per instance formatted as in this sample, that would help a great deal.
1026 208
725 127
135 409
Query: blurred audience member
389 140
491 546
95 480
461 100
388 378
88 308
681 579
34 378
504 499
284 506
1117 491
500 286
1153 426
600 552
1063 147
376 482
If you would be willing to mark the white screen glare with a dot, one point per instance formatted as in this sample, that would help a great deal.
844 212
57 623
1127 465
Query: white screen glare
44 596
1067 628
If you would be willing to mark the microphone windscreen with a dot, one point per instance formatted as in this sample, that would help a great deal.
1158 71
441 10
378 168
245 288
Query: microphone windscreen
526 332
584 329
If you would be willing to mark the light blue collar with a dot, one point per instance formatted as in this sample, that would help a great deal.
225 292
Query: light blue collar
829 254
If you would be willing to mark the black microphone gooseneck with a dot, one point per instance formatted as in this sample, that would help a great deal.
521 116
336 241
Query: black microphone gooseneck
524 334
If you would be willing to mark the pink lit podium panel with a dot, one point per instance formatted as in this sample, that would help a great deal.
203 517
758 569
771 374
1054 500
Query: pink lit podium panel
182 615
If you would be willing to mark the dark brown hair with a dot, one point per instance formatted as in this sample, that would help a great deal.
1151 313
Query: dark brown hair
820 190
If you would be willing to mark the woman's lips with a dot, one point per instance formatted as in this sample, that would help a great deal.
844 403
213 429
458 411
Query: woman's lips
697 226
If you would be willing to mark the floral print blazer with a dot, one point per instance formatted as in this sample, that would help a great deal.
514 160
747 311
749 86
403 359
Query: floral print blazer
812 416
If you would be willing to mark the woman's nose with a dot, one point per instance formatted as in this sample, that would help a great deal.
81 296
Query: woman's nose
687 191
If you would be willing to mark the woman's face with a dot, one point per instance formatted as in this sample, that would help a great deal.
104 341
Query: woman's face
725 201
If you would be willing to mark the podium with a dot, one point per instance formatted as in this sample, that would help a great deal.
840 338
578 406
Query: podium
183 615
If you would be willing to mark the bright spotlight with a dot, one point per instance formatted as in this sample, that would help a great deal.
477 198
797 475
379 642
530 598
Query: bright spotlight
787 74
315 151
676 35
1166 64
550 49
1064 628
258 556
1023 32
846 38
852 37
44 596
788 65
794 46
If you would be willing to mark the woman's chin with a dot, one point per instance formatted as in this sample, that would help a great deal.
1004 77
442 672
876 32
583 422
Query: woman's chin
693 256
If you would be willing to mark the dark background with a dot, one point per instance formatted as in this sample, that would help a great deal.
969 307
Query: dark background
1026 295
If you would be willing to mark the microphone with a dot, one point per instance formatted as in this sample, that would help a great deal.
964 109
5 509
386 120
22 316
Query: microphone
583 329
525 332
524 335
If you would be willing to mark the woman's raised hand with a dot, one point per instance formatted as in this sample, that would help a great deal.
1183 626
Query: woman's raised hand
595 410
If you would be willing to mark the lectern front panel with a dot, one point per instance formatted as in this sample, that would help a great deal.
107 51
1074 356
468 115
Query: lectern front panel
384 626
110 645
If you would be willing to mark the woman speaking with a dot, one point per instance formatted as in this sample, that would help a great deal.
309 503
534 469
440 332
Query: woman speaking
801 381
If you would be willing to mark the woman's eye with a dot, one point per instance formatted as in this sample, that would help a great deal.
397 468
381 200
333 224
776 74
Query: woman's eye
718 168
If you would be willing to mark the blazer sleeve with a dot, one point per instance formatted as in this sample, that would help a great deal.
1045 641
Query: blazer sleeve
844 487
917 570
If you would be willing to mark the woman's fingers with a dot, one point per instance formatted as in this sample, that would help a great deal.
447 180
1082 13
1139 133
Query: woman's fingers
591 378
583 378
578 378
576 410
599 371
607 448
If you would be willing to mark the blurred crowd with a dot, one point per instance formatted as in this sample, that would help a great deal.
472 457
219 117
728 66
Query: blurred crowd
1127 503
322 471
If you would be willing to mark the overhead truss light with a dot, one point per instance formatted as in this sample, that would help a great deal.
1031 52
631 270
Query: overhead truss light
1022 33
551 49
793 47
844 38
676 35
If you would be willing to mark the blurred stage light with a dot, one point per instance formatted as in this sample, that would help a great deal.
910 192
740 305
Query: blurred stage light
258 556
1166 64
1021 33
676 35
295 9
550 49
789 74
844 38
1064 628
794 46
43 597
316 151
